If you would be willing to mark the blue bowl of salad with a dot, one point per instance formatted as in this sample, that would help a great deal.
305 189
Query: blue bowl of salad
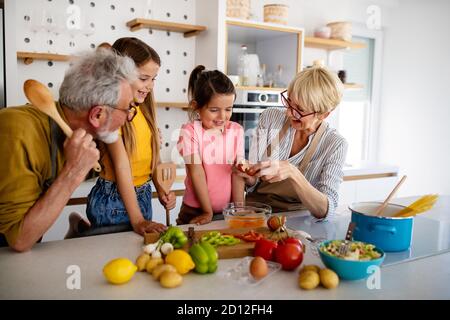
360 260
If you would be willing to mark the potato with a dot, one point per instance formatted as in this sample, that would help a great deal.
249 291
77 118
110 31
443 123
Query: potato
161 268
152 263
308 280
329 278
170 279
310 267
141 261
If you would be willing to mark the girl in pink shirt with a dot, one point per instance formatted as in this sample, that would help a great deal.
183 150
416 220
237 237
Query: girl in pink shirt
211 145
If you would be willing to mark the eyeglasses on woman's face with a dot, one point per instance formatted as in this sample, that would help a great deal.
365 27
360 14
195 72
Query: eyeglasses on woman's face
294 111
131 111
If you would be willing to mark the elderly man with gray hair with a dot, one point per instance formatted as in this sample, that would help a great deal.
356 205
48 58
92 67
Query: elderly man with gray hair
40 169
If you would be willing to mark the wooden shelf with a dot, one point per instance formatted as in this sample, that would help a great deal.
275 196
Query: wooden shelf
259 88
262 26
179 105
353 86
188 30
29 57
331 44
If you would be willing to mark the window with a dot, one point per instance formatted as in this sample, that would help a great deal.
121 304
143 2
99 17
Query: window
355 111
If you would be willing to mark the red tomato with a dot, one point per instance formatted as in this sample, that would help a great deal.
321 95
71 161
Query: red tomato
289 255
291 240
265 248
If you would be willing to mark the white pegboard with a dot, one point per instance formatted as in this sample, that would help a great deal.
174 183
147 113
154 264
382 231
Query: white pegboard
109 18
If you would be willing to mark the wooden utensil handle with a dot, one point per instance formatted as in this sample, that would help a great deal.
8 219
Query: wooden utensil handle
385 203
167 217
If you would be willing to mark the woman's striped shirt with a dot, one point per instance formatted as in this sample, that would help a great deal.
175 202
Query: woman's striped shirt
325 169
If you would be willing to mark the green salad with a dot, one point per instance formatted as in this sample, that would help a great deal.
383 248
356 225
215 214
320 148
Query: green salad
358 251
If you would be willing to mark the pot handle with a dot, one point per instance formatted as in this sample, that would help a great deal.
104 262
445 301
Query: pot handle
383 228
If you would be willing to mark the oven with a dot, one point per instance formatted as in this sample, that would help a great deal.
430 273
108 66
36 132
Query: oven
249 105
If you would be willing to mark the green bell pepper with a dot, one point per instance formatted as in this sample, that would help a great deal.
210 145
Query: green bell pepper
205 257
175 236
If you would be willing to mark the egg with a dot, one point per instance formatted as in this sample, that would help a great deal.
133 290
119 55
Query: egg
258 268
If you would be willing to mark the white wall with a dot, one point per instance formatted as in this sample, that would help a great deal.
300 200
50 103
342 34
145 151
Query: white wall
415 105
415 114
177 53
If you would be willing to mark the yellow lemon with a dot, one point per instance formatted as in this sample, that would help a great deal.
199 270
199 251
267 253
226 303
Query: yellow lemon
119 270
181 260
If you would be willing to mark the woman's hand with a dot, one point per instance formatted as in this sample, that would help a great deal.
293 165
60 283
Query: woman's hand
275 171
168 201
202 219
148 226
249 180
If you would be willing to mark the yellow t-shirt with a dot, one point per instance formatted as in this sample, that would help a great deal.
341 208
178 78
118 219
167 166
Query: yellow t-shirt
25 164
141 159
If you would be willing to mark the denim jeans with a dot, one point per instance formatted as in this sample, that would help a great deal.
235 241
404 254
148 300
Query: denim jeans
105 206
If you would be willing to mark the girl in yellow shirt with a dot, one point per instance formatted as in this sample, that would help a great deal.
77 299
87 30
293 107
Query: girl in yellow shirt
122 194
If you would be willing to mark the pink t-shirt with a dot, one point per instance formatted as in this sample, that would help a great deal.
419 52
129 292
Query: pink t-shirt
218 153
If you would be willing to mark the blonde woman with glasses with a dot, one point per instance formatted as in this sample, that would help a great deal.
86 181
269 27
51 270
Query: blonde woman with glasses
297 158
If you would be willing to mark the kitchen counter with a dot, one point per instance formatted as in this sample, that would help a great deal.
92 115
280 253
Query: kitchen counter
360 171
41 274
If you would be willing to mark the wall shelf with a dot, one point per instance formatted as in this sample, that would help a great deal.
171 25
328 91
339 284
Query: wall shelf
259 88
29 57
331 44
262 26
179 105
188 30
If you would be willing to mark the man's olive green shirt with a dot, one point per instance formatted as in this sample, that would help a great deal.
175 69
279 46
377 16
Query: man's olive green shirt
25 164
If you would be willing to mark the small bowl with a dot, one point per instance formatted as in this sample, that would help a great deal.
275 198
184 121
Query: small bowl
349 269
246 214
322 32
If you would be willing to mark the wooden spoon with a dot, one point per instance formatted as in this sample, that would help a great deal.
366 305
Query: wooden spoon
42 99
165 175
385 203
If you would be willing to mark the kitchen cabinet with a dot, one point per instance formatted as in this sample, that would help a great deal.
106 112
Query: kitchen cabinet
219 47
261 39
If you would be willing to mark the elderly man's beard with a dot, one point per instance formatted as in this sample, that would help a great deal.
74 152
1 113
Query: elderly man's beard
107 136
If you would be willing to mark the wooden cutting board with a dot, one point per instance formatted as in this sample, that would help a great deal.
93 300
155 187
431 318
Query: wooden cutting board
242 249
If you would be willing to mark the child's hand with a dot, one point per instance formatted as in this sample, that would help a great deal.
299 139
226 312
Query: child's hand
202 219
168 201
249 180
148 226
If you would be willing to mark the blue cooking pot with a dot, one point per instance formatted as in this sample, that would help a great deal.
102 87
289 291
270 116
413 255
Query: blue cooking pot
388 233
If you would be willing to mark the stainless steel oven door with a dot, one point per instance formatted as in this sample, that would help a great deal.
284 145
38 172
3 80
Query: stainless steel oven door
248 118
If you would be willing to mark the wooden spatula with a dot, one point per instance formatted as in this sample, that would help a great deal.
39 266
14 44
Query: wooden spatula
165 175
386 202
42 99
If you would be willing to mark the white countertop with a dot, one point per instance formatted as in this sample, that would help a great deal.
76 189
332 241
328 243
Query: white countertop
41 274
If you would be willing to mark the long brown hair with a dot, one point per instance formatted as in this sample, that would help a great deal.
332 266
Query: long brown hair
141 53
